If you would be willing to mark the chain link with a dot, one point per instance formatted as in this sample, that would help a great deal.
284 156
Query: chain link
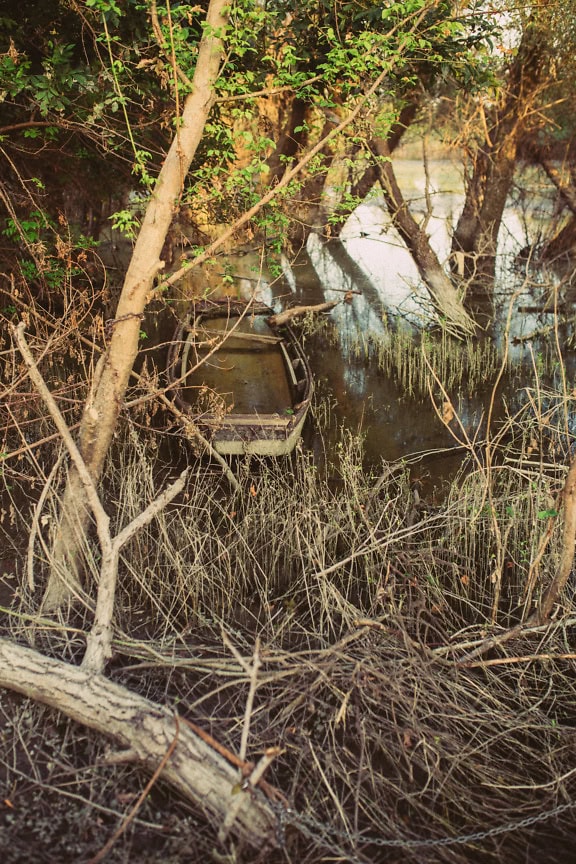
111 322
321 831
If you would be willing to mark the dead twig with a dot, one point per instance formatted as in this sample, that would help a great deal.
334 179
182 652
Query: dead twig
132 814
527 658
298 311
98 645
99 641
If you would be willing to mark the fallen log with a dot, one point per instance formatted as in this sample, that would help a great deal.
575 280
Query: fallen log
145 731
297 312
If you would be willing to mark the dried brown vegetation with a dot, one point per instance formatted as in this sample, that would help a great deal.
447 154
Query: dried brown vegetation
354 613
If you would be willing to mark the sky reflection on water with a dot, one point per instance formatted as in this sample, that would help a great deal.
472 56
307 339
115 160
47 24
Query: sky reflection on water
372 261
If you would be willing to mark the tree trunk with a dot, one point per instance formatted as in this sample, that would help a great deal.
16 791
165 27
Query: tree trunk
444 294
145 731
306 205
289 141
476 235
360 187
105 402
393 140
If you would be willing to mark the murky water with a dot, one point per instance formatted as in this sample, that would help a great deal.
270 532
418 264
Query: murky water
371 261
248 371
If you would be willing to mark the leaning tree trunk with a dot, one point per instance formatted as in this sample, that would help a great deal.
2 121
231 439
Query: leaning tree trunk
107 396
361 186
445 296
476 236
145 732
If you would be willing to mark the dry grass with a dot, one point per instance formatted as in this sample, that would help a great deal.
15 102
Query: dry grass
363 603
463 365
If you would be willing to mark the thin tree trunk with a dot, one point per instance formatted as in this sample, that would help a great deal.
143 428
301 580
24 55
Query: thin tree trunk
144 731
444 294
360 187
476 235
114 368
407 115
499 181
289 141
306 206
566 564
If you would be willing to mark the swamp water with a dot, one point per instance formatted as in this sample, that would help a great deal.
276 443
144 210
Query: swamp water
368 359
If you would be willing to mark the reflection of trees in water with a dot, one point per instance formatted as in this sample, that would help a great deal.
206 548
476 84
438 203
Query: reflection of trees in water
374 400
339 273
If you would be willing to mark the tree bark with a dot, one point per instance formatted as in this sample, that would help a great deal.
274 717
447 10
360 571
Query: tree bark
476 235
144 730
289 141
444 294
114 368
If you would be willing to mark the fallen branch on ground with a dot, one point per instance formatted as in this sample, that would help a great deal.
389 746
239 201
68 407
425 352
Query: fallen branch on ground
145 731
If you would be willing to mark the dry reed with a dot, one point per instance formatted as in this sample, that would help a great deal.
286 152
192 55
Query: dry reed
364 602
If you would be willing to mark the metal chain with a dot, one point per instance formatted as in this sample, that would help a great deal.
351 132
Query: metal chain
322 831
111 322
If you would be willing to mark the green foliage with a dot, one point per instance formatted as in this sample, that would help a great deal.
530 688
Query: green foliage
127 222
49 256
31 228
55 89
550 513
105 7
119 90
346 205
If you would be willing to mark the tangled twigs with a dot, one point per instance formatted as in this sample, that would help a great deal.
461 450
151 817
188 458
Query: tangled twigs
491 642
567 557
552 593
98 648
131 815
526 658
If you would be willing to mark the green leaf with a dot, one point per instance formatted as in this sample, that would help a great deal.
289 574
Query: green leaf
547 514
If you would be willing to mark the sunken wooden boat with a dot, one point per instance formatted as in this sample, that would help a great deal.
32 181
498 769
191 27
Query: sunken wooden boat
245 385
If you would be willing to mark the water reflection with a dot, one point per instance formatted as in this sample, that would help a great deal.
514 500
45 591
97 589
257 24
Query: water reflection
363 399
371 261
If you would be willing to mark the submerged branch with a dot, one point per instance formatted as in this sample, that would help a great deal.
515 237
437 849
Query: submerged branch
298 311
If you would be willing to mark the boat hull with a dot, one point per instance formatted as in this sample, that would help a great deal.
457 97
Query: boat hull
246 387
235 441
